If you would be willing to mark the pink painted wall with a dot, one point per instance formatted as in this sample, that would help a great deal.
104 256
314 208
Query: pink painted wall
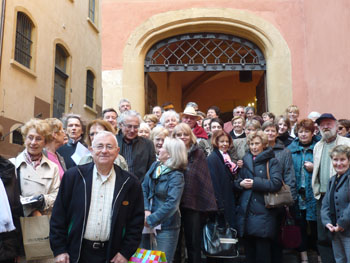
315 31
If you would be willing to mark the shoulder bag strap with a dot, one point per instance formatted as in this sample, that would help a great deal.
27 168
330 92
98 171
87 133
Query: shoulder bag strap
268 170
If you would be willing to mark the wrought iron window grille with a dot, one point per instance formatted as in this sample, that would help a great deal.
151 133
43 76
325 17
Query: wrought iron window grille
204 52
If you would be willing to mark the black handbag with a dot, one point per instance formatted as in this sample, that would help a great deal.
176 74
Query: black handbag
219 241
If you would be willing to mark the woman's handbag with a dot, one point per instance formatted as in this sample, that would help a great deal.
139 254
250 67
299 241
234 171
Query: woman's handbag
219 241
147 256
36 241
290 234
279 199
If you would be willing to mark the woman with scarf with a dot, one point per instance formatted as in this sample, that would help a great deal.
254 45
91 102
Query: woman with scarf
38 177
162 190
223 171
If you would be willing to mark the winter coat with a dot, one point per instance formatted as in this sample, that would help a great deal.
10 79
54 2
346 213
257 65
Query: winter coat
341 203
71 210
198 193
45 180
143 155
10 242
284 156
285 138
162 197
223 183
299 156
253 217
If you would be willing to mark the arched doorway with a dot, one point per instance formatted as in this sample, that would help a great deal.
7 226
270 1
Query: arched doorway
241 23
209 68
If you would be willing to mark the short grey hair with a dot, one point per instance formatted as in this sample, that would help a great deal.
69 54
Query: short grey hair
128 114
104 134
340 149
168 114
124 100
242 107
178 153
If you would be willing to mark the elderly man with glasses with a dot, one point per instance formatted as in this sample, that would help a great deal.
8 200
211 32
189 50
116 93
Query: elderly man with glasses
98 215
139 152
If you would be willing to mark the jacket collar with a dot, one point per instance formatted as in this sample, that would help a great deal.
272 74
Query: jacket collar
44 161
343 178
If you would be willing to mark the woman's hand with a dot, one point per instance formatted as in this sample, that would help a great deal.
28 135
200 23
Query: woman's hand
247 183
147 213
309 166
330 227
240 163
338 228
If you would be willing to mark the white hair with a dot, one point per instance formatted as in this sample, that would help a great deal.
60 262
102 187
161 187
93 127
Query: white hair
128 114
168 114
104 134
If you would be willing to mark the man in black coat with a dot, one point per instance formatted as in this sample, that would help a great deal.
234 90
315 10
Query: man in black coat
138 152
98 215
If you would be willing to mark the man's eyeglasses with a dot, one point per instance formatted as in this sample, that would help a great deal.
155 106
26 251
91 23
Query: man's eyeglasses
100 147
129 126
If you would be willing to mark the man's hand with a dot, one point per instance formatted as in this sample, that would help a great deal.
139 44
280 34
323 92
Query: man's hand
119 258
62 258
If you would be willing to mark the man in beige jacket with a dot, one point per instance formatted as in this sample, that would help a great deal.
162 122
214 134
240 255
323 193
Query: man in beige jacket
322 171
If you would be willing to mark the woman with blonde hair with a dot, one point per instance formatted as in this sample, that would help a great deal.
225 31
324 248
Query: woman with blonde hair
162 190
54 141
256 223
151 120
38 176
158 136
198 196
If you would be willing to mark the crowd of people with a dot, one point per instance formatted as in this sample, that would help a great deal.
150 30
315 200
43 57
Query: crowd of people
123 181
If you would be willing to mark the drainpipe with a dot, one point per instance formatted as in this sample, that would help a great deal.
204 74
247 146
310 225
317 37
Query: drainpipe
2 26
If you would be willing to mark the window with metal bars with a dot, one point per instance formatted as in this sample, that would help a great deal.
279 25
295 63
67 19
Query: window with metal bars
92 10
23 48
90 78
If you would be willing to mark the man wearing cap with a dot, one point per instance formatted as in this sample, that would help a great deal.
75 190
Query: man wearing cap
190 117
322 171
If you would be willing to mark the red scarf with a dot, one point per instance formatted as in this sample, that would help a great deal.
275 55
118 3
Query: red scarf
200 132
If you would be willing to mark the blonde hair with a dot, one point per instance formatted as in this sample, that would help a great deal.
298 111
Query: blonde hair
40 126
292 108
159 131
340 149
258 134
55 126
184 127
152 117
178 153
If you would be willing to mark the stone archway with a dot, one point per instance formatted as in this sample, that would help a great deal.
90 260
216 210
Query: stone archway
228 21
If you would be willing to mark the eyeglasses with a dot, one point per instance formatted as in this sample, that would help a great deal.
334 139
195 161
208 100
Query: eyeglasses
129 126
100 147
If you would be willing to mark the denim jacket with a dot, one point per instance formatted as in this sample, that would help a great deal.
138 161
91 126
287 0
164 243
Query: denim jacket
162 197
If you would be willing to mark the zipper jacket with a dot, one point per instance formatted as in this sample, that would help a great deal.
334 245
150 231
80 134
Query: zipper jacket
69 217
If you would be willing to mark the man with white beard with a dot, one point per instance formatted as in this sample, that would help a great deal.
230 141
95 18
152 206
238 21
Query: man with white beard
322 171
